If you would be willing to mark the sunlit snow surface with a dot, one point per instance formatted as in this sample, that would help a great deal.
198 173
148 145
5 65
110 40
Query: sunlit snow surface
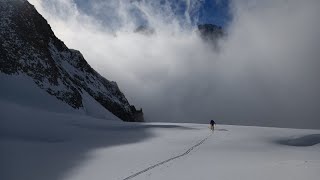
36 144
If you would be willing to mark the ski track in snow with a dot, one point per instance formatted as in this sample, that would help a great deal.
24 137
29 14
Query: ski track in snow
168 160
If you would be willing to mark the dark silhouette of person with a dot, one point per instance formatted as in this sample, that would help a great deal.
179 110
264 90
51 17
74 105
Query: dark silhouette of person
212 123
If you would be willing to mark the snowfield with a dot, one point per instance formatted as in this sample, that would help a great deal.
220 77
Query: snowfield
90 144
37 145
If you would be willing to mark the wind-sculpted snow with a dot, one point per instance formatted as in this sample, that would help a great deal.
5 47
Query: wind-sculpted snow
307 140
29 46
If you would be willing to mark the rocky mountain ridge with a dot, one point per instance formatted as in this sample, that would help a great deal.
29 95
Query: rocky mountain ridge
29 46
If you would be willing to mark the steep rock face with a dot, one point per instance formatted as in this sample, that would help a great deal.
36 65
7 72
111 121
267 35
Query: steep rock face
29 46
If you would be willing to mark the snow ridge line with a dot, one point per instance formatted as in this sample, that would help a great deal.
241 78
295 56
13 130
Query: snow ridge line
166 161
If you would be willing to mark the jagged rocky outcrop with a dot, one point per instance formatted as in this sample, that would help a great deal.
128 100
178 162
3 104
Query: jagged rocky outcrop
210 33
138 115
29 46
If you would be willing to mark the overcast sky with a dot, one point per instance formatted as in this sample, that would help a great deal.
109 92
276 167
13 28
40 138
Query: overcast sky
266 71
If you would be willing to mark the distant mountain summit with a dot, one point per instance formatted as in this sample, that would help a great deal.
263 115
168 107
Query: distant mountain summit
29 46
210 32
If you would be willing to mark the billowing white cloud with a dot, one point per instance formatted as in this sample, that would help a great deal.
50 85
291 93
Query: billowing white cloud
266 72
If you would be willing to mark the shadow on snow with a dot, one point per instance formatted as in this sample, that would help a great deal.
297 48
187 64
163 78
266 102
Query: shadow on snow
42 145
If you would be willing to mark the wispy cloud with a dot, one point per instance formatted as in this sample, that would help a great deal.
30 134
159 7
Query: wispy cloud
266 72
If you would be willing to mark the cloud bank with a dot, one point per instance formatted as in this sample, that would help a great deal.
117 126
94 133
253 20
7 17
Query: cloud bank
266 71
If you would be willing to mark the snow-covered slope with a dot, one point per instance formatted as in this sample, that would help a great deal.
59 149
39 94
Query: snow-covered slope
229 153
29 47
36 145
21 90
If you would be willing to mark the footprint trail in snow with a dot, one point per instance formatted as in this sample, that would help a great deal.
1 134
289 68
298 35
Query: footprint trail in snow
168 160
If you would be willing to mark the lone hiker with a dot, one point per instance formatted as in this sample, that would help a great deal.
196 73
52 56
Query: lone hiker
212 123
